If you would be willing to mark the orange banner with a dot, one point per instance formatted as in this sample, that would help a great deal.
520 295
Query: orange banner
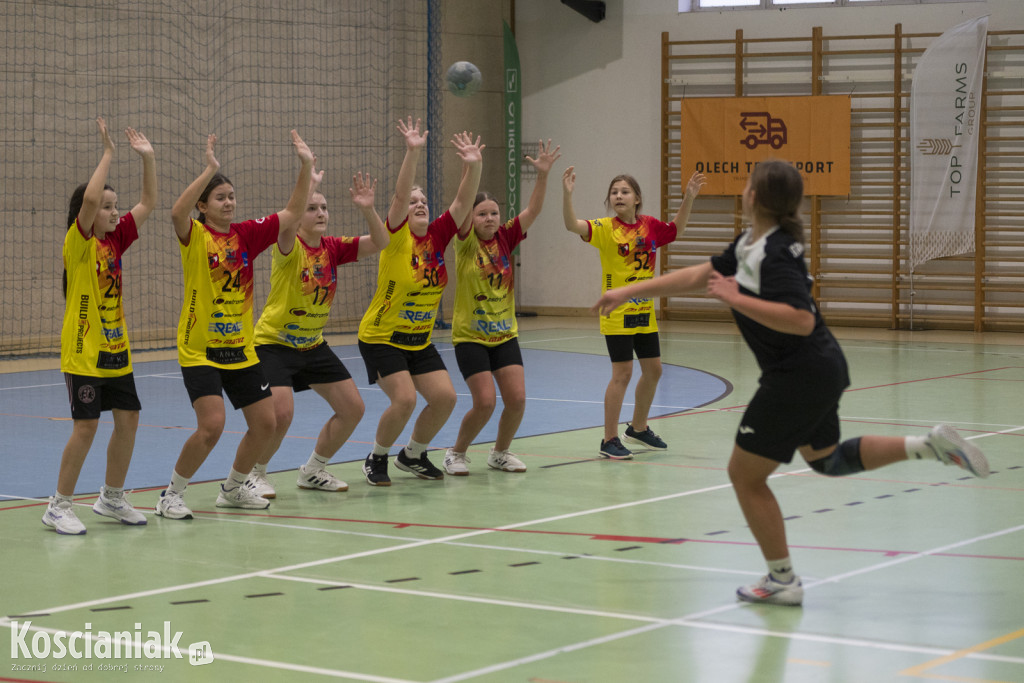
725 137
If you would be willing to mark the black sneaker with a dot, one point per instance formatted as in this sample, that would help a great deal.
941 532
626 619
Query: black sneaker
376 470
645 438
613 448
420 466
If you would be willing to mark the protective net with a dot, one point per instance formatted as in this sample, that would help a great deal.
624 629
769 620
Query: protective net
341 73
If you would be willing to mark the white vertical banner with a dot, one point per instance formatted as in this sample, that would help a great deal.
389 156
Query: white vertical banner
945 117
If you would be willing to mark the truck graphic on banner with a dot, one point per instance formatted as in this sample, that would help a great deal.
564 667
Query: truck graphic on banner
762 129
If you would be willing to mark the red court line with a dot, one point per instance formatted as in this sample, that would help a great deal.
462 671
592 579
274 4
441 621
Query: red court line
654 540
929 379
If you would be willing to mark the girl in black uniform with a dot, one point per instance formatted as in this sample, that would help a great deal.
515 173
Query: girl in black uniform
762 277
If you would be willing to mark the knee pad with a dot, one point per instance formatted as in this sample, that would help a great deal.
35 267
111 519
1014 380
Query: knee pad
845 459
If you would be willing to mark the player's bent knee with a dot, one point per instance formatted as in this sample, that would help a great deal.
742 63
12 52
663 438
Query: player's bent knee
844 460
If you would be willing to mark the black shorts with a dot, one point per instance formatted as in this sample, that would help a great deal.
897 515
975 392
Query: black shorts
384 359
473 358
790 410
286 366
89 396
621 346
244 386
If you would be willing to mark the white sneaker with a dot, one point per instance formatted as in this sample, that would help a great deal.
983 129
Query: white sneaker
241 497
120 509
505 461
952 449
259 484
319 480
455 463
771 592
172 505
61 517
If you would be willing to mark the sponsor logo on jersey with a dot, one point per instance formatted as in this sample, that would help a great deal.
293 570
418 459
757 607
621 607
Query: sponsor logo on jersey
225 329
416 316
492 327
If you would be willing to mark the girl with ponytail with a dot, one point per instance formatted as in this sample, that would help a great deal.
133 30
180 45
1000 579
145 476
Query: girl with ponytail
762 277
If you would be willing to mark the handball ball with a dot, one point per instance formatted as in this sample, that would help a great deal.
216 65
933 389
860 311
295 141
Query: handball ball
463 79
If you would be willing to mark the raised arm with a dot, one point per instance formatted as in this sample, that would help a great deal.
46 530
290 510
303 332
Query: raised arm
289 216
697 181
93 196
671 284
568 212
139 143
180 212
471 153
414 142
546 158
363 191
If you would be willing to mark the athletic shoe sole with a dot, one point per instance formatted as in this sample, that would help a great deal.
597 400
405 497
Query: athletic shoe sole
966 455
641 442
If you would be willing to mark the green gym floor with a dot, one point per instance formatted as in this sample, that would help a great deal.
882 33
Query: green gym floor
579 570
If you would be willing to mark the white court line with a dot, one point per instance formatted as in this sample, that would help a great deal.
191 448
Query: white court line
34 386
62 384
518 604
690 621
685 621
510 549
287 666
368 553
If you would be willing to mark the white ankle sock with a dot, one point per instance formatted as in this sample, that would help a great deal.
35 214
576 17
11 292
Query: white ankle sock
415 449
316 461
112 492
178 483
781 570
234 480
918 448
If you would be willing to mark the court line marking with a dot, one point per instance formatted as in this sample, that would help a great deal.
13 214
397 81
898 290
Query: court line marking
691 621
518 604
920 669
369 553
220 656
688 620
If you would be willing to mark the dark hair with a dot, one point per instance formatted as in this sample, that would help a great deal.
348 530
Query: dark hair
75 203
778 191
632 183
74 206
482 197
216 181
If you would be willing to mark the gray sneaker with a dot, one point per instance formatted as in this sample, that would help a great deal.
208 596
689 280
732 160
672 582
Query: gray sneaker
258 483
952 449
771 592
61 517
320 480
505 461
120 509
172 505
455 463
241 497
